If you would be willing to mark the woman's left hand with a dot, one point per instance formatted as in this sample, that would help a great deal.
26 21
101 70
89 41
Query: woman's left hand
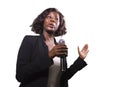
83 53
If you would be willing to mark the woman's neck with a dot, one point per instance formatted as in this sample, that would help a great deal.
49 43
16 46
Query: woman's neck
49 40
48 37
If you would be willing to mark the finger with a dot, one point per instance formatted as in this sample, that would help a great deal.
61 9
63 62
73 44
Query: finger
61 53
62 50
61 47
78 50
85 48
87 51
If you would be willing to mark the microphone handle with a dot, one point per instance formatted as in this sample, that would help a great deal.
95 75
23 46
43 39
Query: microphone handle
63 64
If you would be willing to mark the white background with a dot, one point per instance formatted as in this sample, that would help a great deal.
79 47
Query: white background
96 22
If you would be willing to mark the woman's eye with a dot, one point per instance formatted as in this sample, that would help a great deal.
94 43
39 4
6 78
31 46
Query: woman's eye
48 16
56 19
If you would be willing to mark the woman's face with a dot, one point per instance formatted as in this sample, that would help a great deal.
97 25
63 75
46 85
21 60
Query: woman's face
51 22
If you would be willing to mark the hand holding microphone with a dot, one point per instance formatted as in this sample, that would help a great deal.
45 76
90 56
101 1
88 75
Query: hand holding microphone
59 50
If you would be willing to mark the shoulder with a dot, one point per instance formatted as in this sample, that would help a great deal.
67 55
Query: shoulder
30 38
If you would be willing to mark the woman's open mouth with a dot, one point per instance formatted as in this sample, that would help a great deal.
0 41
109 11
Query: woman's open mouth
51 25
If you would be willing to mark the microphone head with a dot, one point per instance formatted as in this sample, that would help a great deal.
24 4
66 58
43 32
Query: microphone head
61 41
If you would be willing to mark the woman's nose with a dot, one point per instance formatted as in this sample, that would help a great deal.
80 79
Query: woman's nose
52 20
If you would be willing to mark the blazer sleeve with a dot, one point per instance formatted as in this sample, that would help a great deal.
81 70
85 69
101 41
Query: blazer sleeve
76 66
26 69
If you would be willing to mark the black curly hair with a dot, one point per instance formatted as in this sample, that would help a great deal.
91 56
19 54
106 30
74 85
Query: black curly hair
37 25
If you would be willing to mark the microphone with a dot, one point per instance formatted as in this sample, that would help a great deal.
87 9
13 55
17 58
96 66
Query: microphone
62 57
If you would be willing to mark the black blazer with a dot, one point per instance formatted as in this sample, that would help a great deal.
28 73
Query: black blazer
33 64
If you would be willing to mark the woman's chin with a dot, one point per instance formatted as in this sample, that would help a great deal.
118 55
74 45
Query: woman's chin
50 31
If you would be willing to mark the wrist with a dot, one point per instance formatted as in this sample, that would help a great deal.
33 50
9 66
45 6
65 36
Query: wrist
50 56
81 57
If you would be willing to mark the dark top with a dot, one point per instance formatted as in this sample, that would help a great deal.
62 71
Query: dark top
33 64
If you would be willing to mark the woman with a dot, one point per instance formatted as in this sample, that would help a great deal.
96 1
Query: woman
38 63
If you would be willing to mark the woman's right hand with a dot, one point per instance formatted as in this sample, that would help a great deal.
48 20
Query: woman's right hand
58 50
